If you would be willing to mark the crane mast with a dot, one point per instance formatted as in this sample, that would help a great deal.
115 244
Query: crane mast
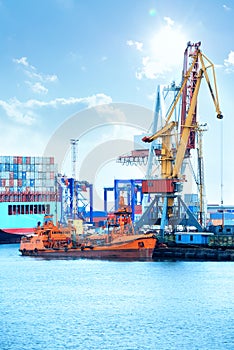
73 156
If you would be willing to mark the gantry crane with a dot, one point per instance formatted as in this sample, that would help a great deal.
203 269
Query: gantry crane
172 156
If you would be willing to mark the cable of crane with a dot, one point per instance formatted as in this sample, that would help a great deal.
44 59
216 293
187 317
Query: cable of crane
221 165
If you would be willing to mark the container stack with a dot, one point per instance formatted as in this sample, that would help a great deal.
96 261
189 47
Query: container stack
27 175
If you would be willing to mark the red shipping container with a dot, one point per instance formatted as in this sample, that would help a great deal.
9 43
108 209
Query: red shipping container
158 186
19 160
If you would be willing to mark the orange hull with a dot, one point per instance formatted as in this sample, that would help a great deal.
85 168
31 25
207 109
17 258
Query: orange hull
140 247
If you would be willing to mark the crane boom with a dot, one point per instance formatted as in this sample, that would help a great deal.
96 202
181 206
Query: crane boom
175 169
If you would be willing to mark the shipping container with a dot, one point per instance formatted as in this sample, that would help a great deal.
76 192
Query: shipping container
158 186
19 160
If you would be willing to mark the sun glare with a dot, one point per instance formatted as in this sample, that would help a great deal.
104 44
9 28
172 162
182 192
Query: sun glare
168 45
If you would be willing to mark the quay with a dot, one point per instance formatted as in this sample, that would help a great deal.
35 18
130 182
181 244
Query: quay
193 254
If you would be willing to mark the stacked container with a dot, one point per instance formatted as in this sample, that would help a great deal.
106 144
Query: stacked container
27 174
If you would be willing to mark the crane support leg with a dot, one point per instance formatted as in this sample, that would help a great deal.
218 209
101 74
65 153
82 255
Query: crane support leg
164 219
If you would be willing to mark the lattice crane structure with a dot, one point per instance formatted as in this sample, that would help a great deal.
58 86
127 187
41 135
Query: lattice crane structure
178 138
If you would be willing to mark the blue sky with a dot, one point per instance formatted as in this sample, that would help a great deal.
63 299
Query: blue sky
59 57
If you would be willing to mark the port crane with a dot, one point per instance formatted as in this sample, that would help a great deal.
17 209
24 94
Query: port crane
172 156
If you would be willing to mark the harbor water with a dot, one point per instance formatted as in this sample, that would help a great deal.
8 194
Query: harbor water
113 305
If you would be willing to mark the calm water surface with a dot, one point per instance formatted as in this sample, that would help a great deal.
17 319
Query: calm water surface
91 304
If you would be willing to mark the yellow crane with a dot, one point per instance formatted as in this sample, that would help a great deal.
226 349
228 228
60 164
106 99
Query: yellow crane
172 156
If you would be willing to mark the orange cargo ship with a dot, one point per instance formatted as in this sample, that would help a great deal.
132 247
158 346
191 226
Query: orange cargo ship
120 242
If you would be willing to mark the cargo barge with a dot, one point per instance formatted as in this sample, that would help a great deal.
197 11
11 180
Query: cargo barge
28 191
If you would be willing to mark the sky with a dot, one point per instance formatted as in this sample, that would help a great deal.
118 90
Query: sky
59 58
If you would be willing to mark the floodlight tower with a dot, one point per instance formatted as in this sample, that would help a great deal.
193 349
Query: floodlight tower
73 156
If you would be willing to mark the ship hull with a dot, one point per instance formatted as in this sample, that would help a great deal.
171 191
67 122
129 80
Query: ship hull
14 227
113 254
139 248
10 238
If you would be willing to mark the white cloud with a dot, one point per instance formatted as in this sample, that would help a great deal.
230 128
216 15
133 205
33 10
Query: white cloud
15 110
137 44
169 21
22 60
163 53
36 78
229 62
24 112
38 88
